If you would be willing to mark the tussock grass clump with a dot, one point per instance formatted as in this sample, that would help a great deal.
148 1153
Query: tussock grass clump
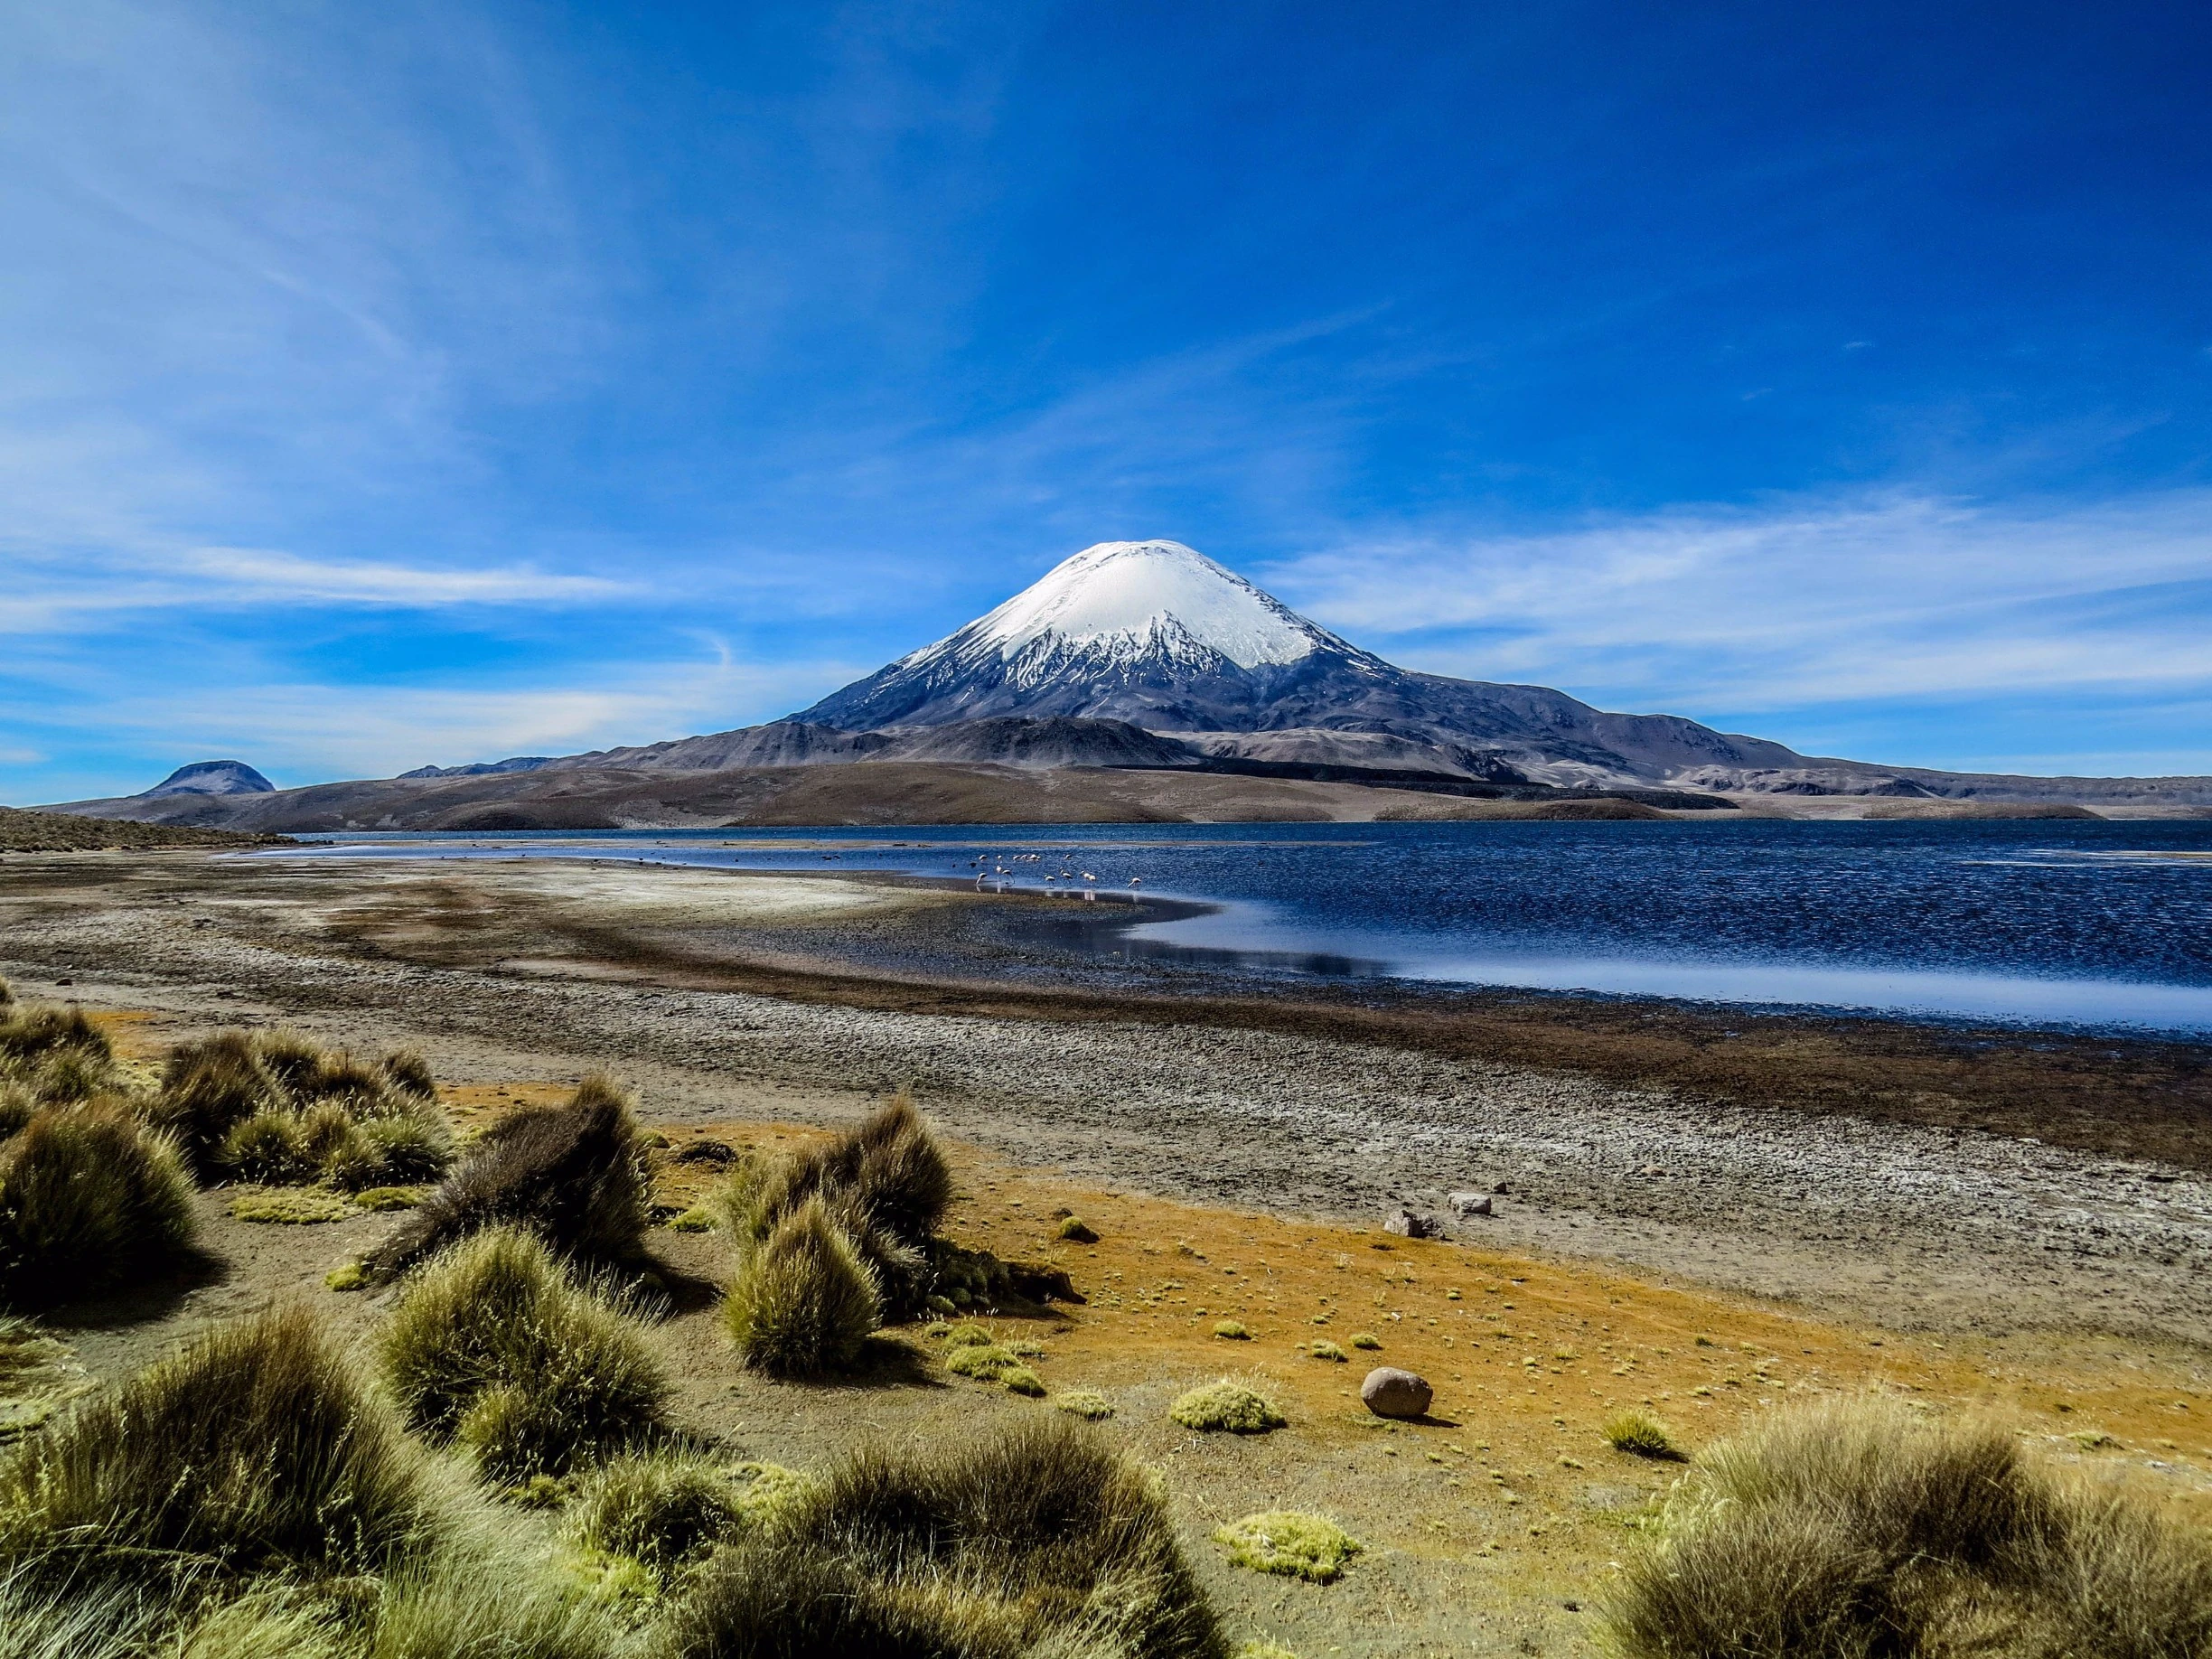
278 1107
574 1174
1290 1542
1640 1434
1226 1407
1856 1529
1231 1330
1366 1339
257 1447
886 1184
802 1302
1326 1350
496 1347
668 1510
987 1552
88 1202
1074 1230
1086 1403
58 1054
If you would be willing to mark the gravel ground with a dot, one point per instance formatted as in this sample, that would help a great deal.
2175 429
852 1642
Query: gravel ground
1911 1227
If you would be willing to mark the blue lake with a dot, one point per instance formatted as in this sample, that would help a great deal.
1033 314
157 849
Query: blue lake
2105 924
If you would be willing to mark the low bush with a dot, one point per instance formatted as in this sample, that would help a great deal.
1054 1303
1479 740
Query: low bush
1640 1434
1858 1529
1366 1339
802 1301
1076 1231
258 1446
574 1174
88 1202
1326 1350
1086 1403
1286 1542
494 1345
1226 1407
1040 1531
1229 1330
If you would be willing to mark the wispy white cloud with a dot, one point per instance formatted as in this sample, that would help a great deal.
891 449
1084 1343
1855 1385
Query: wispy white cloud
1794 603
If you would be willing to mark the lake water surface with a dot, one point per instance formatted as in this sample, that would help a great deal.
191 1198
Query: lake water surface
2090 924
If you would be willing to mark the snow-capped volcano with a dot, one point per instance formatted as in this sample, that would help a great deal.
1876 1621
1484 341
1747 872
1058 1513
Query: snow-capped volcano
1156 634
1151 631
1123 601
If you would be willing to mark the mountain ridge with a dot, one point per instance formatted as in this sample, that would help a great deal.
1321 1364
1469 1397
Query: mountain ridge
1147 656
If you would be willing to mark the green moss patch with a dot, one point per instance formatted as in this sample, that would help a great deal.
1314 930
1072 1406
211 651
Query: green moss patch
1287 1542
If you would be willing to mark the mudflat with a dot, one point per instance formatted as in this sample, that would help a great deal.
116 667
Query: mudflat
1949 1180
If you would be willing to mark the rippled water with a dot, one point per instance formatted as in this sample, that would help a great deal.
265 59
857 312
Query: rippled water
2094 924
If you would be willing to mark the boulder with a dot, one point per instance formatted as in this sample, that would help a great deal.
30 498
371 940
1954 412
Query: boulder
1407 1224
1389 1392
1471 1203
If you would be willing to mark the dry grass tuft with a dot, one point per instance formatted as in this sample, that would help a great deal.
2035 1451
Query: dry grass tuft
88 1202
278 1107
574 1174
1640 1434
1041 1534
494 1345
663 1510
1226 1407
1858 1529
1231 1330
802 1302
1290 1542
1086 1403
885 1183
58 1055
258 1446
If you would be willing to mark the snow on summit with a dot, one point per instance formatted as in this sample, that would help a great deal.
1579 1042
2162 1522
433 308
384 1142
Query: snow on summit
1125 600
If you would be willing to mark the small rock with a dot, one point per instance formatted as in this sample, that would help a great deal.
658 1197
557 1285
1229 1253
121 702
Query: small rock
1471 1203
1407 1224
1389 1392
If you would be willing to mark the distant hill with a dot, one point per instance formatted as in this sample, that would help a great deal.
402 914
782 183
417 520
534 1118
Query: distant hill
1138 656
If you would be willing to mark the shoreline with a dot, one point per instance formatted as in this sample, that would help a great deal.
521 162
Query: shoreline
1622 1133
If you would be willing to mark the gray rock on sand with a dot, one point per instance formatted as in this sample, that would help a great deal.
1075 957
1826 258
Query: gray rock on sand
1407 1224
1471 1203
1389 1392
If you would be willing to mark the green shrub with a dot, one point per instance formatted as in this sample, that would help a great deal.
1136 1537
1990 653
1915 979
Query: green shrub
265 1148
1229 1330
1075 1230
1857 1529
574 1174
1226 1407
495 1345
88 1202
1365 1339
662 1510
256 1447
409 1073
1286 1542
1640 1434
966 1336
1021 1379
802 1301
1326 1350
1040 1531
1086 1403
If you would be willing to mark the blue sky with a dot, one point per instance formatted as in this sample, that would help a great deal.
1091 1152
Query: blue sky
382 385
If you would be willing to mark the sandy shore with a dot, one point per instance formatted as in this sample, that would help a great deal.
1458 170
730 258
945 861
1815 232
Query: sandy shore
505 971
